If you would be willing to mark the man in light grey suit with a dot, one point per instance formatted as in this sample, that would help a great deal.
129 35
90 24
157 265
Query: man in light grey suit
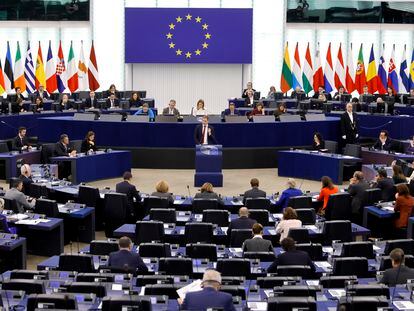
257 243
171 110
16 194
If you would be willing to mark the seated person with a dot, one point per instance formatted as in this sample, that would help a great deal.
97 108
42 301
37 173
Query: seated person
384 142
207 192
323 97
112 102
88 144
26 178
357 187
199 110
162 188
243 222
62 149
257 111
328 188
320 92
399 273
15 193
391 96
272 93
355 103
410 148
126 187
125 259
290 220
380 105
291 191
112 90
297 93
254 192
404 204
385 184
38 105
42 93
249 99
64 103
341 91
291 256
257 243
17 104
21 142
280 110
318 141
91 101
146 111
134 101
171 110
398 175
232 111
365 92
210 297
249 87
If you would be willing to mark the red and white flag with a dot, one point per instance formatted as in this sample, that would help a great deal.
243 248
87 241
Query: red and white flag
93 75
350 73
339 69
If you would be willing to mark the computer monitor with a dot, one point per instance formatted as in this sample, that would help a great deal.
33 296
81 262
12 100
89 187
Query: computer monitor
316 103
367 99
389 99
50 301
141 303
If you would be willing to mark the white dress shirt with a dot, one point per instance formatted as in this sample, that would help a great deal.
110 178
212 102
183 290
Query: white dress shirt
204 130
351 117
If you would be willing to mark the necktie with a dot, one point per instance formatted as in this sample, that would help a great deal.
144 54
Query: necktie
203 135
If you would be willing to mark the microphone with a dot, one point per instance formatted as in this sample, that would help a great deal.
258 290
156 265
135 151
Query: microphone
188 189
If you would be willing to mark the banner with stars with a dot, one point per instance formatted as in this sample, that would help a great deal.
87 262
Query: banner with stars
161 35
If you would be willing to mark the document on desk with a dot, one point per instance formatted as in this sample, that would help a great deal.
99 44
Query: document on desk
337 293
272 231
32 221
312 282
257 306
236 251
17 217
403 305
327 249
323 265
311 227
278 216
179 201
192 287
388 208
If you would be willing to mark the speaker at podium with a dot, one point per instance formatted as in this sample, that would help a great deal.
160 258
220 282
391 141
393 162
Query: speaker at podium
208 165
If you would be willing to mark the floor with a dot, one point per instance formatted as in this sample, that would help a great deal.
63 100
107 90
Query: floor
235 182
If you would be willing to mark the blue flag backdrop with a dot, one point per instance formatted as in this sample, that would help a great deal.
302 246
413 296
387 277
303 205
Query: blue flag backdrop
188 35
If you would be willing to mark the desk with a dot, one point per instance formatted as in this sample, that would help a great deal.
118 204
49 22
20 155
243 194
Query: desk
12 252
383 157
370 125
379 221
10 161
79 224
370 171
101 165
313 165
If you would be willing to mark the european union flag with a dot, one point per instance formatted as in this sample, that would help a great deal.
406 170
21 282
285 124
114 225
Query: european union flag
158 35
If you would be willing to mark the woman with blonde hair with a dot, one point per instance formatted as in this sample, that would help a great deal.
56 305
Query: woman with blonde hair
207 192
162 188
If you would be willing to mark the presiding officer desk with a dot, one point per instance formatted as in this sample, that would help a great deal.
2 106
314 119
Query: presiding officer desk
12 252
10 160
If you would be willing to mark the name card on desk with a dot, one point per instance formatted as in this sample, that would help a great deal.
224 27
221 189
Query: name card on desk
337 293
179 201
272 231
323 265
311 227
32 221
257 306
403 305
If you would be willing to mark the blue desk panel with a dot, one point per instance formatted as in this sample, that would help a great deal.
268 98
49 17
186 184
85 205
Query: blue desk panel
10 159
400 128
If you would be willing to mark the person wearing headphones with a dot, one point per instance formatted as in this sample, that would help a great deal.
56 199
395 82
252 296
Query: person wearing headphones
26 177
399 273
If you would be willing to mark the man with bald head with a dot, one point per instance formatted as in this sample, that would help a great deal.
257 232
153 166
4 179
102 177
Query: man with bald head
243 222
349 126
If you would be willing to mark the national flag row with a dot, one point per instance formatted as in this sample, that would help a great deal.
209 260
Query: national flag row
56 76
311 75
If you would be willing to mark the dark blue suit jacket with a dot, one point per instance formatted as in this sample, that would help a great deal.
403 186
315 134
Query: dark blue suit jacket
198 133
293 257
227 112
124 259
241 223
208 298
286 195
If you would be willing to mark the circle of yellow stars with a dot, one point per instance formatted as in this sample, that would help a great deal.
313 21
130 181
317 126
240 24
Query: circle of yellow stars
206 36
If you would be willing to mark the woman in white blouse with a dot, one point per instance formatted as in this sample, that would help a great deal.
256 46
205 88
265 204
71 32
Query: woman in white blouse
290 220
199 111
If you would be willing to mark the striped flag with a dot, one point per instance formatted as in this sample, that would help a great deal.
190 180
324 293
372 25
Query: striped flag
296 70
82 71
286 78
40 76
382 74
61 70
404 85
350 73
372 73
318 74
51 83
360 78
8 71
339 69
307 75
93 74
2 86
412 71
328 76
72 71
19 70
392 72
29 71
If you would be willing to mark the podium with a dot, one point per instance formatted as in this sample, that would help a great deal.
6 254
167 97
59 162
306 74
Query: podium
208 165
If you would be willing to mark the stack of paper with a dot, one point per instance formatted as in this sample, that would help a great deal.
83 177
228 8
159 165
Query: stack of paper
192 287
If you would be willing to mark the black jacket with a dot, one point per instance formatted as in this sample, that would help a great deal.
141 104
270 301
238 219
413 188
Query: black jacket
198 134
387 145
253 193
124 259
357 193
387 189
89 103
348 128
130 191
241 223
18 143
61 150
398 275
86 146
293 257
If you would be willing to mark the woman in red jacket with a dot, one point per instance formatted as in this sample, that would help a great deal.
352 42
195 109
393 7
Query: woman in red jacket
404 204
328 188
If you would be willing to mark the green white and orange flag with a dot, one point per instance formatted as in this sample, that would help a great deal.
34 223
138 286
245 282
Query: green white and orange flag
19 80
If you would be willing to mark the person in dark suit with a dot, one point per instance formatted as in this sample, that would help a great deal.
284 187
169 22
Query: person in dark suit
210 297
318 141
257 243
21 142
357 187
38 105
64 103
162 191
384 142
320 92
341 91
41 92
26 178
399 273
91 101
255 192
291 191
17 101
88 144
207 192
232 111
249 99
243 222
249 87
112 90
204 133
112 102
349 126
62 149
126 187
298 93
125 259
385 184
134 101
291 256
171 110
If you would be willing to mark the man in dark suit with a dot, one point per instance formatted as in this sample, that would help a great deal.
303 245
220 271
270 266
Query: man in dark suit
26 178
204 133
249 100
243 222
349 126
291 256
386 185
41 92
357 187
112 102
17 101
384 142
131 192
210 296
62 149
249 87
257 243
125 259
399 273
171 110
321 90
20 142
91 101
255 192
232 111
